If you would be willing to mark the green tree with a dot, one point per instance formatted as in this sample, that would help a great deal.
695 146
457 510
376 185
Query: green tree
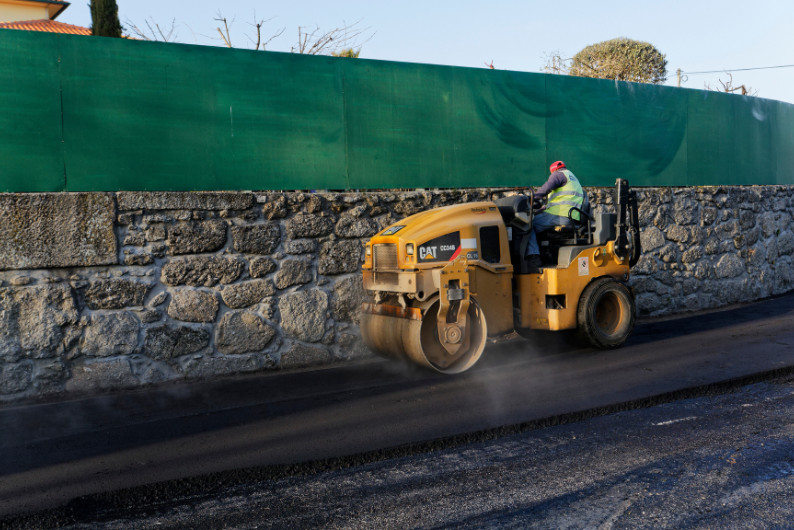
621 59
347 52
105 18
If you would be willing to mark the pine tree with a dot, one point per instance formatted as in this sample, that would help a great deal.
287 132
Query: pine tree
105 18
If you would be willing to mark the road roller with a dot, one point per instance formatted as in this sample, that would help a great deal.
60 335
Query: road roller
441 282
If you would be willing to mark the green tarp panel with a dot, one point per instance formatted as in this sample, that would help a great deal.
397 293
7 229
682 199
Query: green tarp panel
605 130
85 113
414 125
31 148
185 117
783 137
731 139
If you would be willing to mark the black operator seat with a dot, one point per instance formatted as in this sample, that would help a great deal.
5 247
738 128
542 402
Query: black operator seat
578 232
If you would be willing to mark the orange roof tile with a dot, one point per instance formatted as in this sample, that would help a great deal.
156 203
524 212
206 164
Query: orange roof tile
50 26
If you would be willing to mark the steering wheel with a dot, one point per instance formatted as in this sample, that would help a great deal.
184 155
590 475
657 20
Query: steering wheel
538 203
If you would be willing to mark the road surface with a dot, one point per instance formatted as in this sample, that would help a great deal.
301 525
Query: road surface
246 429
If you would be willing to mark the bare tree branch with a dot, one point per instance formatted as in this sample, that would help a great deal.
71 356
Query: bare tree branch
258 26
226 37
729 88
316 42
555 64
153 31
343 41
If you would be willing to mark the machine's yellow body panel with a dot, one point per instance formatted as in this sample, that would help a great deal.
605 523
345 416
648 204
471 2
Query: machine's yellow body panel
490 282
541 295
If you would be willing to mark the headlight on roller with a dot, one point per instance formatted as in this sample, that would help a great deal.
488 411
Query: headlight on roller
409 249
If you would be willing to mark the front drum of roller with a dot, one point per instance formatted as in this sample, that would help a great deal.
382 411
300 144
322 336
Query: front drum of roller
417 341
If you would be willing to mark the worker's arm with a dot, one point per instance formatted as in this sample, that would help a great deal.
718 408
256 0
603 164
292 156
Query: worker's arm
556 180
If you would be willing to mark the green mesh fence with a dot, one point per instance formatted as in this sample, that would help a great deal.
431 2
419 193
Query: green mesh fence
83 114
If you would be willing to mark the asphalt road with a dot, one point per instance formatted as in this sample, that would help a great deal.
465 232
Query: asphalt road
717 461
54 453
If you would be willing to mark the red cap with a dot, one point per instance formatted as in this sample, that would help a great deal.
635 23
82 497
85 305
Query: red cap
559 164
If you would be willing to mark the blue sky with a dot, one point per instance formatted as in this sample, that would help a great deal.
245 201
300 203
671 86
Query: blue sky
695 35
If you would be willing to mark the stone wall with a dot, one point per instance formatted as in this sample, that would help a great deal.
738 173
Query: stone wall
103 291
710 247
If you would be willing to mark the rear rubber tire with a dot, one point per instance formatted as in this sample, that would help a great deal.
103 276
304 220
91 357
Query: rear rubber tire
605 315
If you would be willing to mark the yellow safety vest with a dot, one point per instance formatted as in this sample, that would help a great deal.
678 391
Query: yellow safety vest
562 199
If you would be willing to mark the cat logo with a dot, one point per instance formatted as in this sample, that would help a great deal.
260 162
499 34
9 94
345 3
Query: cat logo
427 253
443 248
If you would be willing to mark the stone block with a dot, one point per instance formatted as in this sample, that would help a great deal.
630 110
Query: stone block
218 365
202 270
708 216
303 314
339 257
242 332
752 236
150 372
293 272
190 305
256 239
155 232
46 230
685 212
246 294
275 207
677 233
110 334
747 219
168 341
729 266
260 267
784 277
15 378
646 265
785 244
408 205
348 295
158 299
651 238
178 200
668 253
315 203
133 259
353 227
351 347
115 293
196 237
101 374
302 355
300 246
309 225
147 316
692 255
135 238
33 320
49 374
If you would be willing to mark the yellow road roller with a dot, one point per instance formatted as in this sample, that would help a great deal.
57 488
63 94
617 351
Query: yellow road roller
443 281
